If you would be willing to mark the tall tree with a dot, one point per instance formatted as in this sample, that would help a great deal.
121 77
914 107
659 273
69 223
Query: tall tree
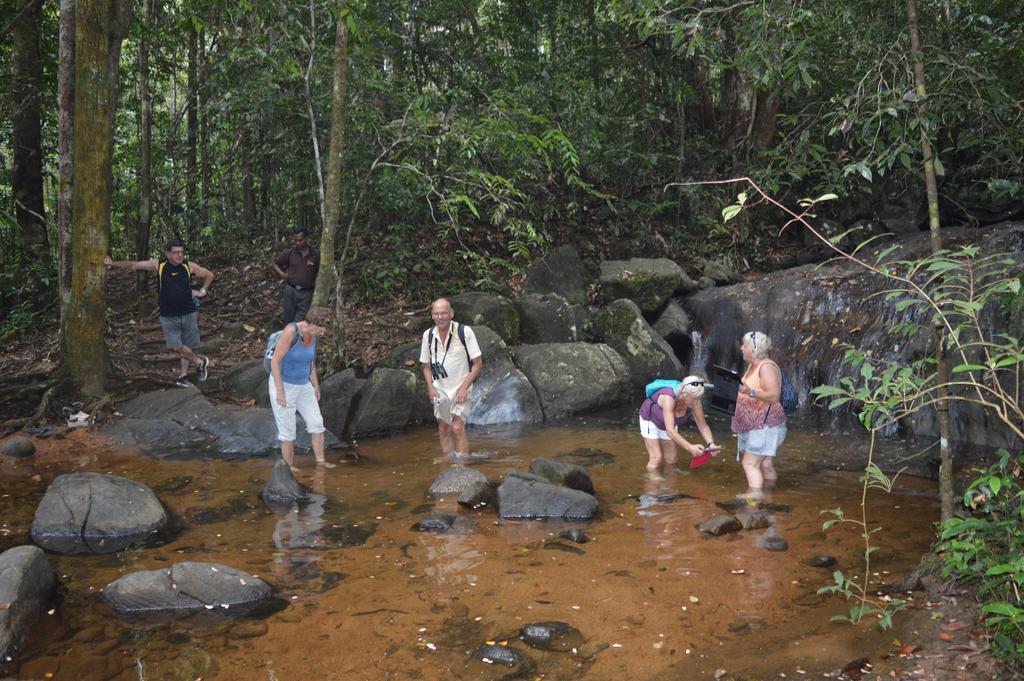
328 276
145 218
932 191
100 27
65 120
27 181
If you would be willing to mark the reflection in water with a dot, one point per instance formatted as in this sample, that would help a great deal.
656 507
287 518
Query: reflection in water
370 598
297 536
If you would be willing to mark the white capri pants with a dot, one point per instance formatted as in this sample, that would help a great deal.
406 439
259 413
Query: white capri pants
301 398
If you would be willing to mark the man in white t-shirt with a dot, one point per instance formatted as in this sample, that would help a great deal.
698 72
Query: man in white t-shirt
451 361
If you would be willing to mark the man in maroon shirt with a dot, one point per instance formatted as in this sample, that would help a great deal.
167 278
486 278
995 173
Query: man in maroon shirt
298 267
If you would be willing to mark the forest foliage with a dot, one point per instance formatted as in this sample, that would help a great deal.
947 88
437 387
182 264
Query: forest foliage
479 133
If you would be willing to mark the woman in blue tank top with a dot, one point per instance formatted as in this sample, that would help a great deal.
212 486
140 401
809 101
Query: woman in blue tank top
294 385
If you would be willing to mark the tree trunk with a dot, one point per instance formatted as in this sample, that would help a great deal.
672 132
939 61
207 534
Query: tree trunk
100 28
931 187
145 221
27 180
332 199
192 121
65 113
202 109
248 191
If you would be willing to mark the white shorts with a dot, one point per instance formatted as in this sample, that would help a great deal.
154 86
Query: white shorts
761 442
651 431
301 398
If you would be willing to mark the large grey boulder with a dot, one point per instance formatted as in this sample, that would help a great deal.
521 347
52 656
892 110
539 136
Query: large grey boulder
247 380
95 513
339 394
648 282
563 473
647 355
26 587
455 479
574 378
185 588
546 318
488 309
522 495
673 324
407 356
502 393
560 271
385 403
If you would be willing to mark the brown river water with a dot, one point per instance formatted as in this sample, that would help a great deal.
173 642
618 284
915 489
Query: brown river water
652 597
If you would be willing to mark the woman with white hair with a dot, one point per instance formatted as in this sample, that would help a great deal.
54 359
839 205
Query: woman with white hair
759 420
661 412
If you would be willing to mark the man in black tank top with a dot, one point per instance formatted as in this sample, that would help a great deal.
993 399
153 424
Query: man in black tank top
179 303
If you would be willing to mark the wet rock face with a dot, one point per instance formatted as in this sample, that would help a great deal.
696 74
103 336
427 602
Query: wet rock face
455 479
563 473
26 587
247 380
574 378
485 309
804 308
560 271
184 588
623 327
556 636
95 513
282 487
522 495
18 447
673 325
648 282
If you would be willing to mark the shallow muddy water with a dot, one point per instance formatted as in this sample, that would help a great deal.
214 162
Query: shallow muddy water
369 598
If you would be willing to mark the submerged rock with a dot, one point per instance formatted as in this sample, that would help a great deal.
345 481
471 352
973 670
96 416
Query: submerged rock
493 653
26 587
95 513
587 456
575 535
754 520
562 473
185 588
719 525
772 543
648 500
522 495
557 636
18 447
282 487
564 548
821 561
445 523
455 479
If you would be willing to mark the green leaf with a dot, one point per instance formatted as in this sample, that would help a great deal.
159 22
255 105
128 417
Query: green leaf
995 484
960 368
1001 609
729 212
937 164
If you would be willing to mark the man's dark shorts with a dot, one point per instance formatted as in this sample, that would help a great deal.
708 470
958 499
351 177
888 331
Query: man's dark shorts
183 330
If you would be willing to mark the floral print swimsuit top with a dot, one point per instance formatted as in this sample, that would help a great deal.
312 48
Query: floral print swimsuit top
752 413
